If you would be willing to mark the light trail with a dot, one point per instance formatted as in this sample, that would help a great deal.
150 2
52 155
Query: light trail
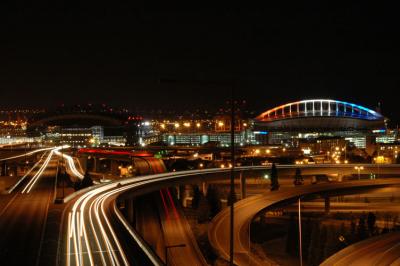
70 161
38 174
105 237
25 176
42 168
87 218
26 154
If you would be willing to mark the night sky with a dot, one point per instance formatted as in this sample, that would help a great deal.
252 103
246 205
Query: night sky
123 55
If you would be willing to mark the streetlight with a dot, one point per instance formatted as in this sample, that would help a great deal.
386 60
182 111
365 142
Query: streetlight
300 235
219 126
171 246
359 168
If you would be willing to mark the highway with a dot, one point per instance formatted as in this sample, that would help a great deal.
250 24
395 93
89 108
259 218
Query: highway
380 251
97 233
90 226
246 209
19 155
177 231
70 163
23 218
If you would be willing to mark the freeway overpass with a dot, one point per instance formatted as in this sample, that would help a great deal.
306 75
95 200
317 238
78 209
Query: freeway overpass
381 250
246 209
93 222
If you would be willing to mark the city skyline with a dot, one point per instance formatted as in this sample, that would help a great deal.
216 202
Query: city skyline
199 135
121 55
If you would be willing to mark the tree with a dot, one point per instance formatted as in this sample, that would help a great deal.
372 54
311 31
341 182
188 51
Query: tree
274 178
298 178
196 197
371 220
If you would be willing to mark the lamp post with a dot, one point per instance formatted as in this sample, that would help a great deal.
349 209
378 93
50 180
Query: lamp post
359 168
232 179
171 246
228 84
300 235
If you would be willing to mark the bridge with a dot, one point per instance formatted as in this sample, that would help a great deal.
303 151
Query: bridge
93 221
247 209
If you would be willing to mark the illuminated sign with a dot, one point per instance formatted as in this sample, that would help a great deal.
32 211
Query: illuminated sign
261 132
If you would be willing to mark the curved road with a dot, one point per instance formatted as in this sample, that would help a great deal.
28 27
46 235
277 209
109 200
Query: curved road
379 251
246 209
97 233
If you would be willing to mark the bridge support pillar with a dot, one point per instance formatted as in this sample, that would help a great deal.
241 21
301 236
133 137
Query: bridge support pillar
204 188
129 210
96 164
83 162
185 194
114 168
242 186
327 204
178 192
3 169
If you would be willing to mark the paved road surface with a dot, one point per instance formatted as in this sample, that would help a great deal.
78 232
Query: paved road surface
177 231
23 221
379 251
246 209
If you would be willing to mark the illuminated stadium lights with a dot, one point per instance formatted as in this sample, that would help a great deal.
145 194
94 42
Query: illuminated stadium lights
310 120
320 107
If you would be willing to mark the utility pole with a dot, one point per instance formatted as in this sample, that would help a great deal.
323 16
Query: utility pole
231 247
300 235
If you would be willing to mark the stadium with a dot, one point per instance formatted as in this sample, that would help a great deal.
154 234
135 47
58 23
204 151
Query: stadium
319 117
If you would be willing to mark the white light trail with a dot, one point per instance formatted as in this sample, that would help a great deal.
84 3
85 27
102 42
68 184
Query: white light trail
23 178
100 226
88 217
26 154
38 174
70 161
